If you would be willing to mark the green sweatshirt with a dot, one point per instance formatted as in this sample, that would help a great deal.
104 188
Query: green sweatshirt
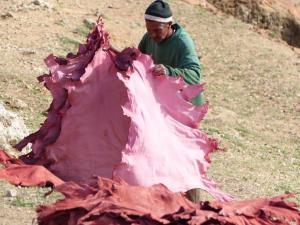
178 55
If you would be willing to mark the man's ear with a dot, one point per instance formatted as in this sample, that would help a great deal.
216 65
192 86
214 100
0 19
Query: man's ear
170 23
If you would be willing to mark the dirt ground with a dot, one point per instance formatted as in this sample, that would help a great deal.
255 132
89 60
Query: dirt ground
253 87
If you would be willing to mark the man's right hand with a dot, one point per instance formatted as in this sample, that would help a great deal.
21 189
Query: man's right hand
159 70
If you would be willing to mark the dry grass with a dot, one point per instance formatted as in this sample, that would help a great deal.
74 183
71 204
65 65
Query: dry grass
252 86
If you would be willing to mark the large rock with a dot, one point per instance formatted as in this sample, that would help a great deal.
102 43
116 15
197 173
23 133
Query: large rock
281 16
12 128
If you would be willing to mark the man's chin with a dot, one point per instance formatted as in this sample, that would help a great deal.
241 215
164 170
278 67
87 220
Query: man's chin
158 40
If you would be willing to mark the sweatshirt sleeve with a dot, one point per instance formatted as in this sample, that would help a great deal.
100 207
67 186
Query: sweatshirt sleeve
188 64
142 44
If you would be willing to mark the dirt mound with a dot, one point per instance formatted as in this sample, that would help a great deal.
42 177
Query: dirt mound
280 16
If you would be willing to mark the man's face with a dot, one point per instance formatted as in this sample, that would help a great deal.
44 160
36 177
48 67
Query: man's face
158 31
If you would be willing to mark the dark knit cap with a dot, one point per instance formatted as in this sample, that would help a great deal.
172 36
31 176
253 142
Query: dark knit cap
159 11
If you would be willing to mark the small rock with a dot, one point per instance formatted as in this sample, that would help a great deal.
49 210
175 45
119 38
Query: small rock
7 15
41 3
11 193
19 104
28 52
16 103
138 24
37 2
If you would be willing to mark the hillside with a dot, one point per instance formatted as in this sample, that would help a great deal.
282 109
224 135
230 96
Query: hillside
252 85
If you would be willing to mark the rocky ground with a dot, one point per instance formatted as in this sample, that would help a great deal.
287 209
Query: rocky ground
282 17
252 76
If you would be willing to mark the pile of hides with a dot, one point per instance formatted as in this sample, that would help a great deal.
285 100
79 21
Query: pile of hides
103 202
123 145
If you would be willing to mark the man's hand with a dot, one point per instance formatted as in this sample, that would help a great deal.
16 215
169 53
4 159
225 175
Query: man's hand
159 70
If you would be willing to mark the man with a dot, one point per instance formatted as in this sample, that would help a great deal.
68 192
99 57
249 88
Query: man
170 46
173 52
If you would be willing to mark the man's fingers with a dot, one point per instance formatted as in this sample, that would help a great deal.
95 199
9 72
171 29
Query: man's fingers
156 73
158 70
155 70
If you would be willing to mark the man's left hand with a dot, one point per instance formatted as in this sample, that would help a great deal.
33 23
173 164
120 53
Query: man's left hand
159 69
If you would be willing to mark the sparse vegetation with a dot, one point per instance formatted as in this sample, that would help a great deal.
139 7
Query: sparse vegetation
68 44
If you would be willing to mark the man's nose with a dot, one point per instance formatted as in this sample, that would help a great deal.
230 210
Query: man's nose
152 35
